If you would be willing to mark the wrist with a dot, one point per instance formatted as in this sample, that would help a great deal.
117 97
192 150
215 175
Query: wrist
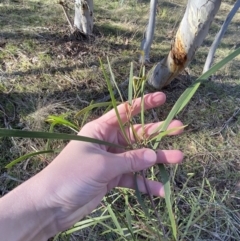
25 214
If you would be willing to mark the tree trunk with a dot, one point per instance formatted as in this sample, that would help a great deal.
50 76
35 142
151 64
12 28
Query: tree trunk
83 19
219 36
190 35
148 35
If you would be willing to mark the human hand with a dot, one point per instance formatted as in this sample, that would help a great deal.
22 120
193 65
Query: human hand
83 173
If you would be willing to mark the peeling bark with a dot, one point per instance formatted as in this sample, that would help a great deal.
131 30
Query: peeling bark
148 35
83 19
192 31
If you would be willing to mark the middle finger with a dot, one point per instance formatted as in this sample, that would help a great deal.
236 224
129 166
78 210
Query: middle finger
138 133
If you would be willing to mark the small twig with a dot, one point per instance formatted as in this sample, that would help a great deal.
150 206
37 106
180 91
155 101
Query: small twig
67 16
82 101
224 126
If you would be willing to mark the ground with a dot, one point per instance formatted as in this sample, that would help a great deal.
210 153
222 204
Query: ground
43 72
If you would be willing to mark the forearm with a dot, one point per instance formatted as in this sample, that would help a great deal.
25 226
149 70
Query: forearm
38 209
24 214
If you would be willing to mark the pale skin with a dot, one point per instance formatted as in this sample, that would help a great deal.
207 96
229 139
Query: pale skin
75 182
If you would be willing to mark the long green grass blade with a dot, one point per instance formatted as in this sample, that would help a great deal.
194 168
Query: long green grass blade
128 215
85 116
86 223
179 105
142 103
126 234
119 215
138 85
113 230
130 85
114 103
113 80
57 136
24 157
130 101
190 91
93 106
205 76
166 133
193 209
167 190
115 220
109 108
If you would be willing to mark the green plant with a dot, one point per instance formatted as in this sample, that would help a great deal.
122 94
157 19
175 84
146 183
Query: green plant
136 88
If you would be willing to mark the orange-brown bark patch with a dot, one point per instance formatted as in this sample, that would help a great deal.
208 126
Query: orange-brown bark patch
178 52
179 57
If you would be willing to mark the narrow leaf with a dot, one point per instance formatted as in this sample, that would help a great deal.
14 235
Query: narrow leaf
190 91
128 215
165 133
193 209
114 103
113 79
57 136
93 106
85 116
142 104
61 121
114 219
179 105
86 223
24 157
167 190
130 85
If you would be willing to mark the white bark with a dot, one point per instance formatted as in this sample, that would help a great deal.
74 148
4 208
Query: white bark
219 36
148 35
83 19
190 35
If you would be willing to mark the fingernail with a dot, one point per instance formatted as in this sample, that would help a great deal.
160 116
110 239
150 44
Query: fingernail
150 156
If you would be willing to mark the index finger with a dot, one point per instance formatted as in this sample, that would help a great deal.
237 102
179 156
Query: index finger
150 101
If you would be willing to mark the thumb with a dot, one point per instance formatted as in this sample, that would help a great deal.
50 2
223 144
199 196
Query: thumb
135 160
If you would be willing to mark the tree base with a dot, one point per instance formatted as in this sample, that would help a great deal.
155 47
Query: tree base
77 35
